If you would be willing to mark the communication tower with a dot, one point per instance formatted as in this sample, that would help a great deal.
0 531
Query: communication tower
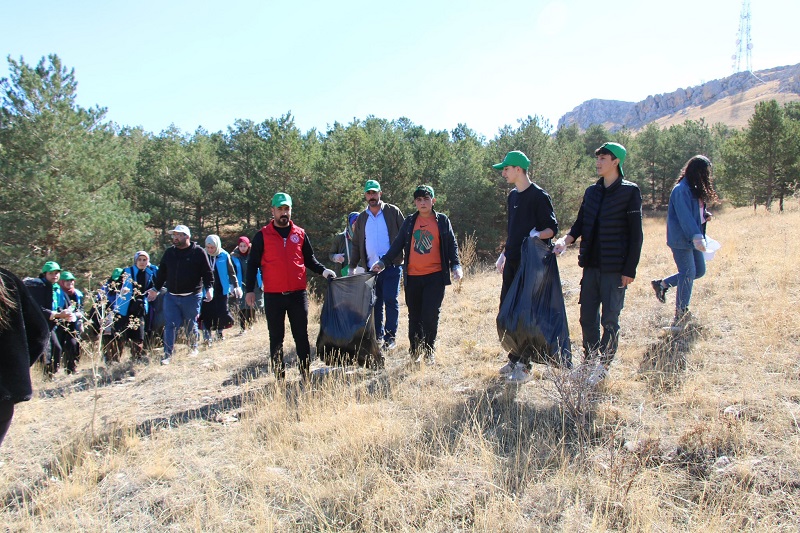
744 45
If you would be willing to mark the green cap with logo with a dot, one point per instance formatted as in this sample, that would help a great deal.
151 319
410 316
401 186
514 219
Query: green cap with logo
372 185
514 159
50 266
619 152
67 276
281 199
424 190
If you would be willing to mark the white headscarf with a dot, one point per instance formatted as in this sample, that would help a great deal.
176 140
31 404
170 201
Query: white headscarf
214 239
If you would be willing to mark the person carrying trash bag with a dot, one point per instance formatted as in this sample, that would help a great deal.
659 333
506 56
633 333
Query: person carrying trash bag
347 325
532 322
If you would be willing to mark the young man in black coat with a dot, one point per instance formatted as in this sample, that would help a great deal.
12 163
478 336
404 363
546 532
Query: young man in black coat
609 225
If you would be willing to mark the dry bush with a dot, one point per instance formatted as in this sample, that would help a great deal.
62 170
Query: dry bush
215 444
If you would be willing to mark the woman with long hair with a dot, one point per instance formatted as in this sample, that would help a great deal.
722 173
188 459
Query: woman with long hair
24 333
686 233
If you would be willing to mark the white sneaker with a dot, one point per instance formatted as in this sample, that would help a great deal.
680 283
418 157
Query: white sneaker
430 359
165 361
598 374
507 368
193 353
521 374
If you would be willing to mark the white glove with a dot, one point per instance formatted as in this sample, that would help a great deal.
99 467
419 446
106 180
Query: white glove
560 246
501 262
328 274
125 290
338 258
209 294
358 270
534 233
699 244
237 292
458 273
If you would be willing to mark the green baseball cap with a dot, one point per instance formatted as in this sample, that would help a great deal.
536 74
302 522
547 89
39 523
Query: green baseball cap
424 190
372 185
280 199
67 276
51 266
514 159
619 152
117 274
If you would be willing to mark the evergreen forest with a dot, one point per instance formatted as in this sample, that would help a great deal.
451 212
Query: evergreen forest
86 192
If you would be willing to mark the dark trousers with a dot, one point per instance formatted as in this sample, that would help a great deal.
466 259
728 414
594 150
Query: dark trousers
277 306
69 339
600 290
509 271
6 414
52 362
424 295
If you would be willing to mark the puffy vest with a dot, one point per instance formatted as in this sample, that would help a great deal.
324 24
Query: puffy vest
283 268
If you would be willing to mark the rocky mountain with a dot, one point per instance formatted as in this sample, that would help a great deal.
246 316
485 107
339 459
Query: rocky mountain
730 100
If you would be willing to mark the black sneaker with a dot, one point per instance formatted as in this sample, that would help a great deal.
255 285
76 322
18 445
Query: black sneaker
661 291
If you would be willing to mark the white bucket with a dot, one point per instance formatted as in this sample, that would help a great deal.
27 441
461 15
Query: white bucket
711 248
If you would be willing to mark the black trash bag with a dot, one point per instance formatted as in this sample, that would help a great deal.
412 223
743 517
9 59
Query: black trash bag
346 324
532 322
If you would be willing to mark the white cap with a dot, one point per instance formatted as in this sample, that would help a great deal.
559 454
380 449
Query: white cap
180 228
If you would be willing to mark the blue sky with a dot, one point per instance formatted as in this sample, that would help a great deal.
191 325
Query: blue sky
485 64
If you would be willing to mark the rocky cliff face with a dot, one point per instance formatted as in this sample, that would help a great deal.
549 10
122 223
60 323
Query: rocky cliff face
614 114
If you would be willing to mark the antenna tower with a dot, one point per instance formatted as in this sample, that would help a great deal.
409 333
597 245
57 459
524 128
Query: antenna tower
744 45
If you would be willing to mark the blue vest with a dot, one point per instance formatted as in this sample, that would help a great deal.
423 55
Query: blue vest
221 267
123 301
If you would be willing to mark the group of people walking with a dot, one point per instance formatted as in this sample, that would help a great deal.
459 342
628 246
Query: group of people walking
269 272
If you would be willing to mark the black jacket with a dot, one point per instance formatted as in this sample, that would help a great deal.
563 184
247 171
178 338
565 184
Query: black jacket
609 224
448 246
22 342
184 271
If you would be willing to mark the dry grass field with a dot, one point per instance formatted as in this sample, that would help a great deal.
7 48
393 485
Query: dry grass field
699 432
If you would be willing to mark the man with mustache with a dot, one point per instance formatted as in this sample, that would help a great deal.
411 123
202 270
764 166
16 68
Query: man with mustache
376 228
189 278
282 251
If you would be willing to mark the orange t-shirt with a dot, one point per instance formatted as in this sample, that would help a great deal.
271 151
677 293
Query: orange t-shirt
425 256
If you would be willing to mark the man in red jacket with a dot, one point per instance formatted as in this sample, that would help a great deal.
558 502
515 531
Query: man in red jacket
283 251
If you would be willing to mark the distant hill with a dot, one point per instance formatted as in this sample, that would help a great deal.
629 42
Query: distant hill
730 100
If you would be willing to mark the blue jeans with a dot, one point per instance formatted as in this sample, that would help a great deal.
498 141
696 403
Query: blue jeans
387 289
180 310
691 266
600 290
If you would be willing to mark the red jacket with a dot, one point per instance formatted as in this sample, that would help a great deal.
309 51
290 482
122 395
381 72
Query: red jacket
282 266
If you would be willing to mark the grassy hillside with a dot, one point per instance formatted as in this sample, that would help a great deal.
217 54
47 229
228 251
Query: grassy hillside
696 433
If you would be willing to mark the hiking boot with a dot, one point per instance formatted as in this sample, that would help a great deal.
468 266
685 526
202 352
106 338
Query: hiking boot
507 368
521 374
598 374
660 290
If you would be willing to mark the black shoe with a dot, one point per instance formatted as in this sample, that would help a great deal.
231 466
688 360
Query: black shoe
661 291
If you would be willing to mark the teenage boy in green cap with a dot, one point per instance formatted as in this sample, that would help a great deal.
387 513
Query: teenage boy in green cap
431 255
530 215
609 224
283 252
376 229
